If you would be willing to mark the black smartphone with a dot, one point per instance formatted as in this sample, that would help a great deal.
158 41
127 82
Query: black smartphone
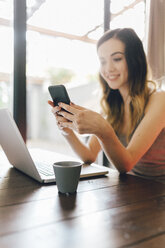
59 94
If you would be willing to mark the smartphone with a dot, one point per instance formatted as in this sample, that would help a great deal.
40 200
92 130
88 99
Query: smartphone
59 94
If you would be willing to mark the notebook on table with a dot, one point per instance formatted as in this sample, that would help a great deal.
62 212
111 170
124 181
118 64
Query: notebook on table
35 163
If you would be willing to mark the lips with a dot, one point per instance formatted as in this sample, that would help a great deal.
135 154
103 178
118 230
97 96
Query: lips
113 77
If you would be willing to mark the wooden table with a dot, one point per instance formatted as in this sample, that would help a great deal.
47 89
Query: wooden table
107 212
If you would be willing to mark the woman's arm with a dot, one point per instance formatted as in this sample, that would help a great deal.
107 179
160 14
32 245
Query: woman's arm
151 125
85 121
88 154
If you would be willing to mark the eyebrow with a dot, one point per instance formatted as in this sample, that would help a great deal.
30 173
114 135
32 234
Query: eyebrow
116 53
113 54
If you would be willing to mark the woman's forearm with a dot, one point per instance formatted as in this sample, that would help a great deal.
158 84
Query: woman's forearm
114 150
87 121
79 148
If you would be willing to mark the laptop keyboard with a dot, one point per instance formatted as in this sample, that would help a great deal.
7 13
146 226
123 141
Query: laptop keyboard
45 169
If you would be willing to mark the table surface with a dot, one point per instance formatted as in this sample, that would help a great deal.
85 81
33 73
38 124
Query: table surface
110 211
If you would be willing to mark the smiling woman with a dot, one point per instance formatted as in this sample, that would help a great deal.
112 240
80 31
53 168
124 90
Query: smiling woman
125 69
55 42
132 125
113 64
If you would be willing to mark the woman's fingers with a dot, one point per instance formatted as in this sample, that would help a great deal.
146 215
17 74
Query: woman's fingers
67 115
76 106
60 118
56 109
69 108
67 124
51 103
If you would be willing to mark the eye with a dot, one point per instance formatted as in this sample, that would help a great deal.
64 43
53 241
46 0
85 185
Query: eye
117 59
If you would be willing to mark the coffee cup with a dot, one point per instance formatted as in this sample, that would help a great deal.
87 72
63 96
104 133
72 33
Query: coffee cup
67 174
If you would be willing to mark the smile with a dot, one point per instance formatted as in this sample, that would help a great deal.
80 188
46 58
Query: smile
113 77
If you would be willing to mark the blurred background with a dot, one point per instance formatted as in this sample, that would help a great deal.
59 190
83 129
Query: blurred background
61 41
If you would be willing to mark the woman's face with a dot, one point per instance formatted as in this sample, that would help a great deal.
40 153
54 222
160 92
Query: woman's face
113 65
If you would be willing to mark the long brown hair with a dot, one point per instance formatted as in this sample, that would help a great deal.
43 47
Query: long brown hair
139 90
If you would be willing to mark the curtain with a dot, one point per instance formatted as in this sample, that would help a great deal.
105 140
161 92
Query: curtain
156 39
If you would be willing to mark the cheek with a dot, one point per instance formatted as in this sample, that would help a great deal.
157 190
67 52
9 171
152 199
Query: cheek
126 73
125 77
124 70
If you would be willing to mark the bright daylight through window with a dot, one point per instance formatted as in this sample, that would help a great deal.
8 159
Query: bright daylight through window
61 48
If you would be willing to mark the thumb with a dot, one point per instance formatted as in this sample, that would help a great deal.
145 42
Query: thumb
76 106
51 103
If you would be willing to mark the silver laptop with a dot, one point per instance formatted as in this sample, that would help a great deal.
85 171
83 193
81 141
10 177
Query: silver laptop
29 162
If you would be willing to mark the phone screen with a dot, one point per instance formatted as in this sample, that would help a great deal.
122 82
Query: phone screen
59 94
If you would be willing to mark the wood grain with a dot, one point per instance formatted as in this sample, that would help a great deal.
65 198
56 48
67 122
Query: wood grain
111 211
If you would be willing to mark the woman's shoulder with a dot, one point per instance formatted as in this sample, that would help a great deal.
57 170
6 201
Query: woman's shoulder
157 97
156 104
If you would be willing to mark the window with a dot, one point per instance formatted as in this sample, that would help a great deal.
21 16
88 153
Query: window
129 13
61 48
6 53
61 38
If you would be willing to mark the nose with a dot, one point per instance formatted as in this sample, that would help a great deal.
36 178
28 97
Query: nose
109 66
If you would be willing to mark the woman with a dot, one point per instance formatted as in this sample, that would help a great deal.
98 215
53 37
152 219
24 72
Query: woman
131 130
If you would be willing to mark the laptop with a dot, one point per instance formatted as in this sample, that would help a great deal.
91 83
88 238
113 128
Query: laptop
32 163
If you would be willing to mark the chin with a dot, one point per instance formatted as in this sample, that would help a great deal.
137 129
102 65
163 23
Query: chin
113 87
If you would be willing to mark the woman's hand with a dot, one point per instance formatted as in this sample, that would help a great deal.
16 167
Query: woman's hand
81 120
59 119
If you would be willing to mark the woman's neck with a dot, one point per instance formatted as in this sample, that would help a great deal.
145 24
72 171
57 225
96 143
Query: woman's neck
124 91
